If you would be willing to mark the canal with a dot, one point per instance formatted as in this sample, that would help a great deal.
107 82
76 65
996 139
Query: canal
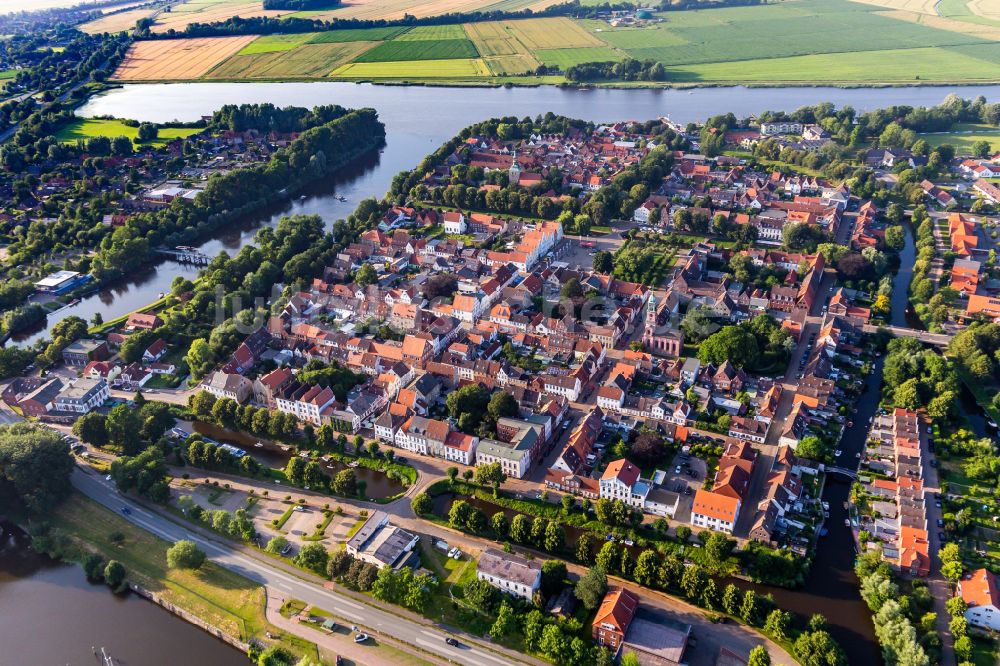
53 616
418 119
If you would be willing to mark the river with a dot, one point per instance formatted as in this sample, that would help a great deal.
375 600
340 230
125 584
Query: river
418 119
52 615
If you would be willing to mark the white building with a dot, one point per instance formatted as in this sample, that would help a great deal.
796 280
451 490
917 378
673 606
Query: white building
714 511
621 482
514 459
980 594
83 395
454 222
510 573
307 406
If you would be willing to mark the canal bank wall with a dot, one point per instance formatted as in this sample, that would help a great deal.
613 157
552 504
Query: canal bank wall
189 618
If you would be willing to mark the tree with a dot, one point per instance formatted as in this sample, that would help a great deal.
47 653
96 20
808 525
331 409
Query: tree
421 504
717 550
114 574
776 624
585 547
147 132
313 556
123 428
185 554
609 557
648 449
981 148
895 238
730 599
501 405
504 623
520 528
35 466
817 648
748 608
276 545
365 276
555 537
345 483
759 657
647 567
92 429
733 343
590 588
603 262
553 575
452 473
491 474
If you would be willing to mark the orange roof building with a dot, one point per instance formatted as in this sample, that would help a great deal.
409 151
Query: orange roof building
614 617
980 593
714 511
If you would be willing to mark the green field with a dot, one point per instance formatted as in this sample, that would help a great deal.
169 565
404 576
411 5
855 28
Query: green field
88 128
274 43
787 29
962 137
414 69
433 33
306 61
426 49
356 35
564 58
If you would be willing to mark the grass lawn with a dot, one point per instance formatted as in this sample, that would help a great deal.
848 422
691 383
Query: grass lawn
355 35
86 128
306 61
220 597
355 527
963 135
271 43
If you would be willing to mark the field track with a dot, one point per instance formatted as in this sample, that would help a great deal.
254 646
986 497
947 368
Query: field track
177 59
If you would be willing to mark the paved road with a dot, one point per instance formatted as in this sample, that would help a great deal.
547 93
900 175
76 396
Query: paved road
288 585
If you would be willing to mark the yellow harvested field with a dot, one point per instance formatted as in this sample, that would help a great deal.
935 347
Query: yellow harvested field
494 38
177 59
551 33
215 11
116 22
987 32
918 6
989 9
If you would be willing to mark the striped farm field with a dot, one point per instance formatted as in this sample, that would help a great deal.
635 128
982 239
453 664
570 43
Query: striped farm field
427 49
918 6
494 38
511 65
306 61
394 9
551 33
177 59
414 69
988 9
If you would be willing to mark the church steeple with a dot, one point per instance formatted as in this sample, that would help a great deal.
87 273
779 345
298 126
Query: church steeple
514 173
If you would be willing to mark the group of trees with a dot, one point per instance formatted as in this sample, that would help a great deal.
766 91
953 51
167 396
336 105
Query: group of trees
35 466
259 421
757 344
629 69
145 473
896 615
975 351
208 455
125 428
917 377
476 411
237 524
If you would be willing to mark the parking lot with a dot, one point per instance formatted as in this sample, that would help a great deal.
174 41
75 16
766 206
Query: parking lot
685 475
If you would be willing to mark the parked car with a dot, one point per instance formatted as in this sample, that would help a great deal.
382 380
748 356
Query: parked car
361 638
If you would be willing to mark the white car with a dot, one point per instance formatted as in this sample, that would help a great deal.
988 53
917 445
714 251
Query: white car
836 454
361 638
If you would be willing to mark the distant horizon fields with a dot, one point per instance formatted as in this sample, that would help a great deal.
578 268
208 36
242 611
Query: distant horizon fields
808 41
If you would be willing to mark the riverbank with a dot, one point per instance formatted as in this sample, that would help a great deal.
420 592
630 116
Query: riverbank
212 595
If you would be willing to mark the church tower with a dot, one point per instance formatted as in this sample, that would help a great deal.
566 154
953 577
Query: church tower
514 173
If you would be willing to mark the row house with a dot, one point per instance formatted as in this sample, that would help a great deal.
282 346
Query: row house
306 403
